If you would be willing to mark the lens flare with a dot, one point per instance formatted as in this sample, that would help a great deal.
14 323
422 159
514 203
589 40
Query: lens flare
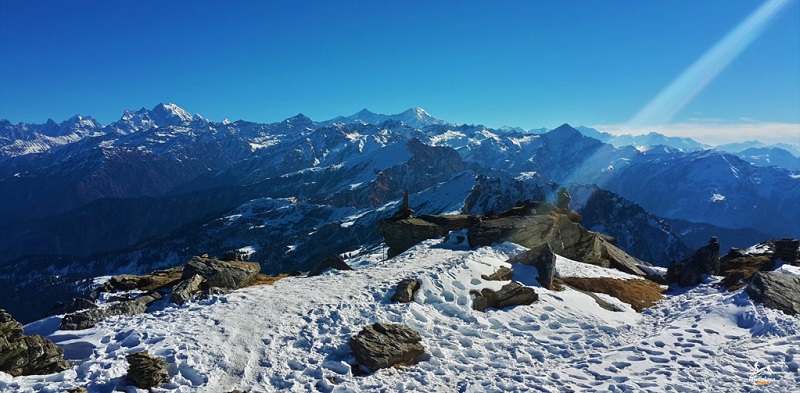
682 90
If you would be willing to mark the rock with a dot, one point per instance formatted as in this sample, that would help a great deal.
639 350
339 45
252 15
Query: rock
383 345
128 282
186 289
223 274
776 290
563 199
146 371
88 318
232 256
689 271
27 355
76 304
544 259
155 280
332 262
404 293
504 273
402 234
640 294
566 238
786 250
79 389
511 294
737 266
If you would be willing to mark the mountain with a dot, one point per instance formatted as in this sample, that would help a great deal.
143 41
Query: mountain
769 156
650 139
414 117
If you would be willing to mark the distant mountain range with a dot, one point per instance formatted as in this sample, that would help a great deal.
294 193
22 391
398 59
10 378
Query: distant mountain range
157 186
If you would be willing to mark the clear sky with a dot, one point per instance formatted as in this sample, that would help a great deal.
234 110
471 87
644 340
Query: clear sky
521 63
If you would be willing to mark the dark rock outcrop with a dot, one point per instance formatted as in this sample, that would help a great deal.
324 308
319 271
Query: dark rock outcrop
76 304
737 267
27 355
383 345
402 234
776 290
511 294
146 371
544 259
689 271
156 280
88 318
332 262
564 236
186 289
79 389
504 273
404 293
786 250
223 274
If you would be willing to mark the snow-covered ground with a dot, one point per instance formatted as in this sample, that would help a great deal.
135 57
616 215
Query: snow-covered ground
293 336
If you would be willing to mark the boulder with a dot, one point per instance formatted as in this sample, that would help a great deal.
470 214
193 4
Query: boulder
776 290
689 271
402 234
155 280
223 274
79 389
186 289
88 318
146 371
383 345
511 294
27 355
332 262
544 259
565 238
504 273
76 304
404 293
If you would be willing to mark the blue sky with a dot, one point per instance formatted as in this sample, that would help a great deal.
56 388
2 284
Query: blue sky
520 63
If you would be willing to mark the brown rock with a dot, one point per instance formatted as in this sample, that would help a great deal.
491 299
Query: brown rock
511 294
146 371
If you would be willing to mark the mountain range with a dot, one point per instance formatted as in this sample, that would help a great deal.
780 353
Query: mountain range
157 186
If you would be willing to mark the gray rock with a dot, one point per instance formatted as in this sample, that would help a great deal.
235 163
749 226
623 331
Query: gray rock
383 345
333 262
404 293
223 274
689 271
402 234
504 273
27 355
76 304
88 318
544 259
186 289
511 294
146 371
776 290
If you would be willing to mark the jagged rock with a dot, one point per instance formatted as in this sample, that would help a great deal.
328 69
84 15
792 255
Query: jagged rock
331 262
776 290
88 318
402 234
146 371
544 259
186 289
404 293
565 238
223 274
383 345
511 294
786 250
736 266
504 273
689 271
155 280
27 355
76 304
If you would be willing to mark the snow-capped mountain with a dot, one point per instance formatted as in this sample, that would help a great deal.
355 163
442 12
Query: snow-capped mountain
645 140
160 185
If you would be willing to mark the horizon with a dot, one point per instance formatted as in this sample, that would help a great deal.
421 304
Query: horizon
516 65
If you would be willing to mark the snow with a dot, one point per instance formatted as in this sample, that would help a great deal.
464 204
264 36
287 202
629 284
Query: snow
789 270
566 267
293 336
717 197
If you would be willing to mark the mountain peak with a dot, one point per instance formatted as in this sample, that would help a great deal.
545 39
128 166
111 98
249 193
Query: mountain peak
170 113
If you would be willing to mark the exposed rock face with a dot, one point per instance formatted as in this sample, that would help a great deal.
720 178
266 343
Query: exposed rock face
786 249
76 304
504 273
88 318
155 280
402 234
511 294
404 293
223 274
27 355
776 290
543 258
146 371
332 262
564 236
383 345
640 294
79 389
737 266
689 271
186 289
